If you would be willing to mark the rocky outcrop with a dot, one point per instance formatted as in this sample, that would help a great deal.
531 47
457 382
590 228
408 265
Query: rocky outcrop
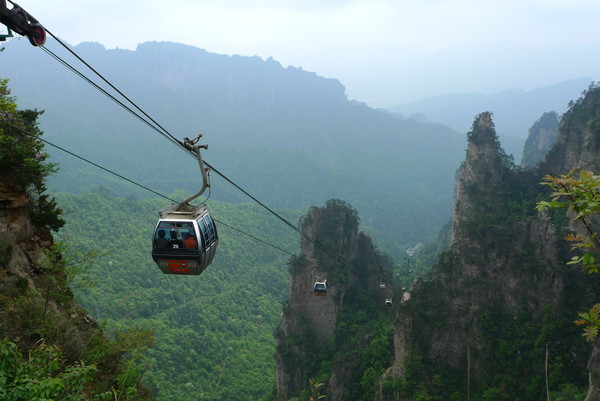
541 137
26 278
578 141
308 335
485 162
578 146
505 269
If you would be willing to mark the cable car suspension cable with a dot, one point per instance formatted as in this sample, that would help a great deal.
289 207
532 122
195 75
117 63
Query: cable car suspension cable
140 185
160 129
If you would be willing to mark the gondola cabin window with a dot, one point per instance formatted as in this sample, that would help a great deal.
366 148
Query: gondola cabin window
172 234
207 229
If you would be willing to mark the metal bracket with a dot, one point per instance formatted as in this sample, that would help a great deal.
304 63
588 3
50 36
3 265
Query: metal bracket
8 35
191 144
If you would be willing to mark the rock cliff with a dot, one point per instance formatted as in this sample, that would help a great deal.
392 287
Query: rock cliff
49 347
578 141
501 299
541 138
321 337
578 146
22 275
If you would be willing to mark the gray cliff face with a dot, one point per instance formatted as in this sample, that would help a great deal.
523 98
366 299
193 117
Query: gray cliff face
496 267
578 141
26 241
542 136
309 322
483 163
22 256
578 146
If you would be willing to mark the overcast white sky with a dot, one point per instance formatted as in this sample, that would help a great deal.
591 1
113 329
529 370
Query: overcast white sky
385 52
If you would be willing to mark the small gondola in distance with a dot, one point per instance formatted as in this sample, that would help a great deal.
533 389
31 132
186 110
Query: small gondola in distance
320 288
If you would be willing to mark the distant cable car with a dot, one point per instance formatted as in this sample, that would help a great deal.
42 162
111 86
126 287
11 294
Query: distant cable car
388 303
382 285
320 288
185 238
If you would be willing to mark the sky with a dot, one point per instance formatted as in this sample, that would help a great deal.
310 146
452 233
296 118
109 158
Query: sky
385 52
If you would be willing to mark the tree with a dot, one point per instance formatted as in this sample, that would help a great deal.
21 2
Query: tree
22 156
581 197
315 390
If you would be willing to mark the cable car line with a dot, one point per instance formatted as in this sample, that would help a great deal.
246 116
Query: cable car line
157 125
87 161
139 185
161 130
103 91
257 239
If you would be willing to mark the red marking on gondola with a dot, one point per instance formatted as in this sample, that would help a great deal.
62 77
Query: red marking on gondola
177 263
179 266
178 270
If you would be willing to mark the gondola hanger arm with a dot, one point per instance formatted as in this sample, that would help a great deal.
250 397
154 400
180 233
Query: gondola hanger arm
192 145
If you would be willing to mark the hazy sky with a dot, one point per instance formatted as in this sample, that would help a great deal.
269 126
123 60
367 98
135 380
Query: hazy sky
385 52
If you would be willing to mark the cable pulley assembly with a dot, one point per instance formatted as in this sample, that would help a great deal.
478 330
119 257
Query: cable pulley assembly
18 20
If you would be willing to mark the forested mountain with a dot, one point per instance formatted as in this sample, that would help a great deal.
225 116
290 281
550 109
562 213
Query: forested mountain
501 301
343 338
476 328
213 333
288 136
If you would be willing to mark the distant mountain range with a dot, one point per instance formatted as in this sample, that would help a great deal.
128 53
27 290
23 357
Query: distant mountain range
514 110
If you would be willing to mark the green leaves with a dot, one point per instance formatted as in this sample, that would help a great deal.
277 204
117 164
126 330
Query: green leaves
22 155
41 375
591 322
581 196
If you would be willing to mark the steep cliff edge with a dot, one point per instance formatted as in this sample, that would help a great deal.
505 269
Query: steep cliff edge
578 141
578 146
49 347
36 303
330 338
501 299
541 138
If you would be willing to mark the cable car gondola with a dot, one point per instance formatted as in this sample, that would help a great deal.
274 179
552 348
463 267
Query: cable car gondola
185 238
320 288
388 303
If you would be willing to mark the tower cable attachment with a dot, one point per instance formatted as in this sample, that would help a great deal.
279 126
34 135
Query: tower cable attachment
18 20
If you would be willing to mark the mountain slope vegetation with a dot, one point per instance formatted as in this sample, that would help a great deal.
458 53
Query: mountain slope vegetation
49 347
286 135
213 333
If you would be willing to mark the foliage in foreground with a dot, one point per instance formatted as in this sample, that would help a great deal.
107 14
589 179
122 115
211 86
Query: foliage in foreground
581 197
49 348
22 156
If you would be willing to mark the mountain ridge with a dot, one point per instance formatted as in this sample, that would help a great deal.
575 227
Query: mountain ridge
248 109
514 110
